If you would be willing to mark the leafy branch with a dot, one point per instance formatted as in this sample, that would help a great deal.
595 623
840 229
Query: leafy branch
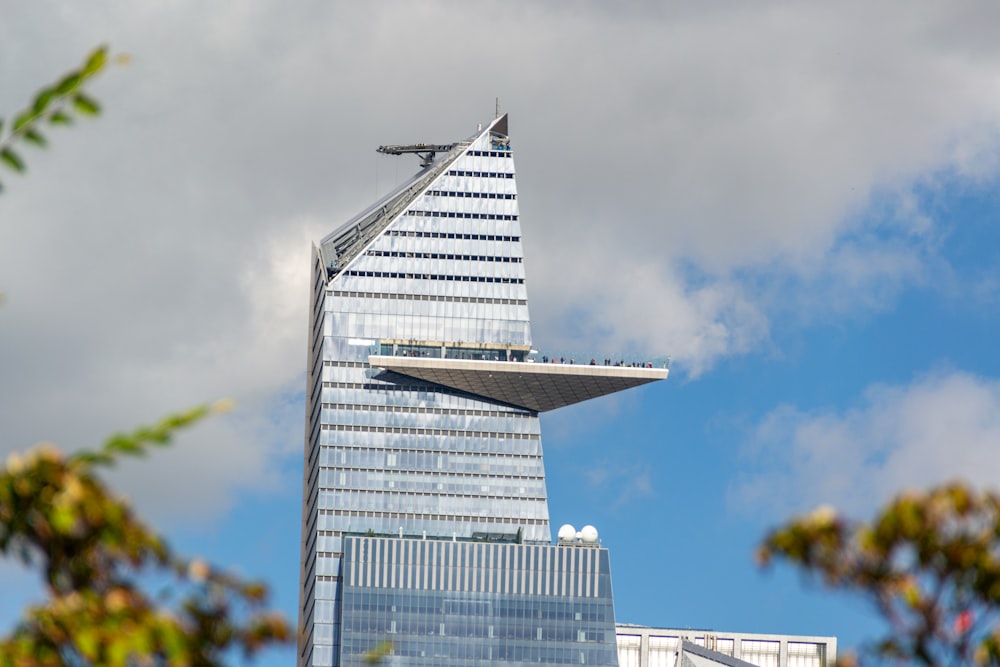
929 562
94 555
55 105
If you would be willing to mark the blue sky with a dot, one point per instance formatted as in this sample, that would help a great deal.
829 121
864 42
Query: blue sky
797 203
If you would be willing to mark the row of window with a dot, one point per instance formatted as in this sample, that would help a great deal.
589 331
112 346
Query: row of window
460 518
437 458
662 651
434 511
359 521
472 195
435 298
433 276
453 235
433 460
499 435
481 174
420 465
506 153
407 497
463 214
423 268
370 442
427 388
471 444
471 428
470 486
441 255
582 612
368 619
484 328
413 466
495 608
402 494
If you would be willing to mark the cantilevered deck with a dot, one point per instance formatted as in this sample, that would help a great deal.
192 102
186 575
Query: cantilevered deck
534 386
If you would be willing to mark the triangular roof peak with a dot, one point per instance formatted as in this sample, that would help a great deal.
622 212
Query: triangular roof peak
345 243
499 125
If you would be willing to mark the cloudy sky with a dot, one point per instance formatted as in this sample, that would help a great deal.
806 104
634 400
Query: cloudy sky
796 201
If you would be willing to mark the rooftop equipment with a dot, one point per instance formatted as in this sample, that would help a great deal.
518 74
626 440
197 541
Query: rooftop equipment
425 151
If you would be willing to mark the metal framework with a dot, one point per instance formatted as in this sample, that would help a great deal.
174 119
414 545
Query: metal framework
425 151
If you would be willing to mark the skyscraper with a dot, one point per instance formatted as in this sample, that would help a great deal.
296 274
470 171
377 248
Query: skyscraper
425 520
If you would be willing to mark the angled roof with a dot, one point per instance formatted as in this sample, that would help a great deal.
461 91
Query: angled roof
345 243
693 655
534 386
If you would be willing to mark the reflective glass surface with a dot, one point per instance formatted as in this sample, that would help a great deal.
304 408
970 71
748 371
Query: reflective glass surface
444 603
395 455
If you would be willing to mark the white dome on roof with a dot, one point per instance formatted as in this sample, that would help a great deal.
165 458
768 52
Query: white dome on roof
588 534
567 533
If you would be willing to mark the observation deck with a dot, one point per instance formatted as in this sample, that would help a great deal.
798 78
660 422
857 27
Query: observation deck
538 387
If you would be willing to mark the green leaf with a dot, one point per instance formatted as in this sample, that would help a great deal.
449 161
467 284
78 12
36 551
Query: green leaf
60 118
35 137
86 105
63 519
126 445
22 119
12 160
88 641
41 102
95 61
68 83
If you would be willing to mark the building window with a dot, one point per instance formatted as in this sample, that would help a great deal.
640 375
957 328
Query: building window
663 651
759 652
629 648
806 654
725 646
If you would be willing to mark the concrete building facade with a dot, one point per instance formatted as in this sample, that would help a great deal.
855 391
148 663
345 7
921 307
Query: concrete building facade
642 646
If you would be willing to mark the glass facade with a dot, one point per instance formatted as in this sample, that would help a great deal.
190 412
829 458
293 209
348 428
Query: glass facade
450 603
433 270
425 520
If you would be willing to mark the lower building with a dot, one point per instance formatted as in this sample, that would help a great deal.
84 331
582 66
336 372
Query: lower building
483 600
642 646
694 655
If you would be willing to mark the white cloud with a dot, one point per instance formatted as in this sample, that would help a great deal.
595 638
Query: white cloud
942 426
686 173
620 485
646 307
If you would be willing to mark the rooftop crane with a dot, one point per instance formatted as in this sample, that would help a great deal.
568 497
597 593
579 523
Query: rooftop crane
425 151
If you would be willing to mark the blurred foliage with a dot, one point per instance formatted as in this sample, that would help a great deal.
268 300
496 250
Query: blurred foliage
97 560
58 104
378 653
930 563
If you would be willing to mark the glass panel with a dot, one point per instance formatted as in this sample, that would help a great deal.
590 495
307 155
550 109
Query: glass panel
663 651
806 654
759 652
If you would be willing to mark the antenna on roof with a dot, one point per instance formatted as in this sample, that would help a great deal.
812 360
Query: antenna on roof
498 108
